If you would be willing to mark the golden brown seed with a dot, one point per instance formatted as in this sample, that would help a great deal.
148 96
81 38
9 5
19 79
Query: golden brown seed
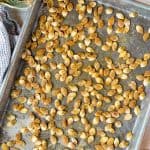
123 144
142 96
128 117
111 21
89 9
132 85
116 142
103 139
99 147
139 29
100 24
4 146
109 29
24 110
92 131
109 11
137 110
91 30
133 14
90 139
146 36
146 56
121 23
110 120
83 135
15 93
95 120
72 132
119 15
146 81
64 140
147 73
70 120
140 77
105 48
110 141
143 63
129 136
53 139
71 145
118 124
70 7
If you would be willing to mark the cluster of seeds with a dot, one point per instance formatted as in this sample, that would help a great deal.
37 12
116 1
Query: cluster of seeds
79 99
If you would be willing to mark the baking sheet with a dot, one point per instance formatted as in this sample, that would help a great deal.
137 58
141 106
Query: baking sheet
134 45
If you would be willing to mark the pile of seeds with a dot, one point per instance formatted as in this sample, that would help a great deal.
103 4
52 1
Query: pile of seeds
71 87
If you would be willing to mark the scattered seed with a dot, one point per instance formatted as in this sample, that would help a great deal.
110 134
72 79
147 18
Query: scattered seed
133 14
139 29
109 11
119 15
129 136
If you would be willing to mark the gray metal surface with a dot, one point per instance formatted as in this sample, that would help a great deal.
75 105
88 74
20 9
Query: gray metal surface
131 40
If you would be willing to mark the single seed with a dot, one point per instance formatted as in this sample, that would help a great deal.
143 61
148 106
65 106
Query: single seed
92 131
90 139
128 117
129 136
119 15
96 120
146 36
137 110
109 11
71 145
123 144
116 142
53 139
139 29
118 124
103 139
4 146
133 14
64 140
140 77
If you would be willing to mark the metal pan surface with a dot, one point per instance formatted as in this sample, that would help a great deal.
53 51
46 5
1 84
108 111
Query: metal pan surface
137 49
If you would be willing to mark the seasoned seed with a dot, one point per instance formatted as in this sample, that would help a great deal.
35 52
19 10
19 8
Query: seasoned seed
119 15
105 48
92 131
129 136
71 145
110 141
146 36
53 139
116 142
118 124
137 110
146 81
4 146
128 117
123 144
83 135
110 120
95 120
90 139
109 11
133 14
64 140
139 29
103 139
140 77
